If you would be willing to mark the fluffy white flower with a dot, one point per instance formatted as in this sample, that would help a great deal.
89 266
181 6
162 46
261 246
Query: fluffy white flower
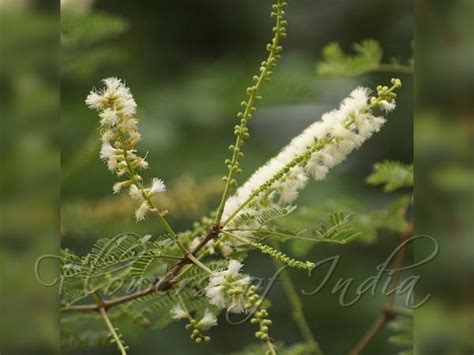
112 84
107 151
117 109
177 312
118 186
237 304
233 268
216 294
141 211
221 282
135 193
108 117
117 92
388 106
339 132
208 320
157 186
94 100
141 163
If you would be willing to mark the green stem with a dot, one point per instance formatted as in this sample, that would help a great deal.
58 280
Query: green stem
297 308
274 253
110 326
285 235
250 107
162 219
271 348
198 263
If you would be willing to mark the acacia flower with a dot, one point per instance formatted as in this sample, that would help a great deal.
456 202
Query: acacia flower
119 135
227 288
320 147
208 320
178 312
157 186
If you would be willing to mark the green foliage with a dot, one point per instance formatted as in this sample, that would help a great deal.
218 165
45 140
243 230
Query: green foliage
262 218
89 28
367 57
392 174
124 256
336 230
357 223
91 31
402 327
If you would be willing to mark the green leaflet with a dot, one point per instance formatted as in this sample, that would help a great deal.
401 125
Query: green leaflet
336 230
91 31
402 327
154 309
367 57
122 257
263 217
393 175
337 221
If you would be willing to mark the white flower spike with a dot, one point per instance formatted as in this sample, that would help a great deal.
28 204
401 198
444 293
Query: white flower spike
313 153
117 109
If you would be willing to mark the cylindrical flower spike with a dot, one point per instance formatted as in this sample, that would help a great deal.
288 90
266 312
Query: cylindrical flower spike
313 153
119 135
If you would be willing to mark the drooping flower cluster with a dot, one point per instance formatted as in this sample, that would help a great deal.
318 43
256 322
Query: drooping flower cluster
119 134
232 290
323 145
226 289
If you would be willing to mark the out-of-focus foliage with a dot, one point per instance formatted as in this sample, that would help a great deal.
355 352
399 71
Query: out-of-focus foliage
367 57
403 337
85 42
363 222
185 199
392 175
444 174
29 158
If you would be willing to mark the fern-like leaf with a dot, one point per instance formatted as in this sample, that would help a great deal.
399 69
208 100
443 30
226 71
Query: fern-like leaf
262 218
403 334
123 256
367 57
337 230
392 175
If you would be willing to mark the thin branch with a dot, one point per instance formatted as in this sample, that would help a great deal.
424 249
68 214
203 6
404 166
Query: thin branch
116 337
297 310
252 97
369 335
161 285
271 348
286 235
390 311
161 218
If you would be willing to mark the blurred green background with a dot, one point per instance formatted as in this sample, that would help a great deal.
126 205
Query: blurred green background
188 64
